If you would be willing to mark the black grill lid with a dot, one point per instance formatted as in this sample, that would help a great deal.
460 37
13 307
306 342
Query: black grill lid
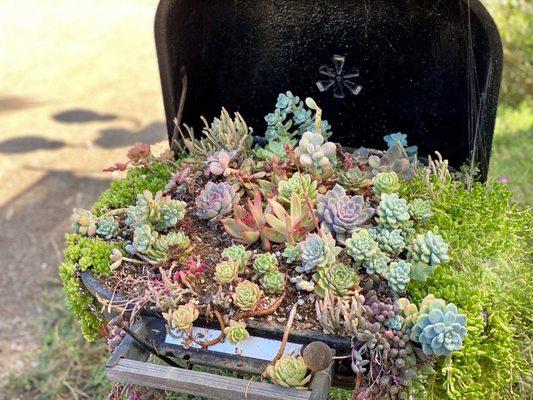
428 68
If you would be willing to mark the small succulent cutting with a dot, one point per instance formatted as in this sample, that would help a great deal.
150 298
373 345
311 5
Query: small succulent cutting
390 240
175 245
247 295
317 251
361 247
318 156
303 185
377 264
289 372
84 222
392 212
397 276
236 332
183 317
386 182
107 227
420 210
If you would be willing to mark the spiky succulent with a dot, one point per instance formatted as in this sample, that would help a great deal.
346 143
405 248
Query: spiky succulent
339 279
386 182
247 295
361 247
237 254
107 227
143 239
377 264
390 240
340 214
397 276
218 163
291 253
439 327
353 179
420 210
236 332
84 222
273 281
301 184
315 155
215 201
183 317
265 262
226 271
289 372
175 245
393 212
157 210
430 249
317 251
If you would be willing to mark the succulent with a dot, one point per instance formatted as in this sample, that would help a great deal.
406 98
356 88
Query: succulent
291 253
289 372
286 101
237 254
420 210
107 227
397 275
395 160
353 179
175 245
302 184
317 251
361 247
408 312
215 201
439 327
248 225
314 154
247 295
390 241
172 211
302 285
236 332
341 214
218 163
265 262
393 212
226 271
395 323
386 182
377 264
157 210
276 149
143 239
400 139
339 279
84 222
289 226
183 317
421 271
273 281
429 248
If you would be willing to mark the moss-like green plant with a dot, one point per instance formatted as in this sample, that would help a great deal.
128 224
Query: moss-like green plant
90 253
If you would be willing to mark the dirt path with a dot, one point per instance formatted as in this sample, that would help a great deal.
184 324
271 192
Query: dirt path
78 84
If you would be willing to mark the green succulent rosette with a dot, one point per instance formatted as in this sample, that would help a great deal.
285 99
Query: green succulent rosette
289 372
339 279
237 254
236 332
183 317
247 295
107 228
273 282
226 271
291 253
386 182
301 184
361 247
393 212
420 210
430 249
265 262
175 243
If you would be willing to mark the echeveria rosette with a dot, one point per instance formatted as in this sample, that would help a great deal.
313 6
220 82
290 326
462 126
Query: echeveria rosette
420 210
429 248
397 276
218 163
236 332
390 240
143 239
361 247
175 244
317 251
215 201
265 262
353 179
377 264
171 212
340 214
386 182
107 228
247 295
291 253
301 184
301 115
273 282
395 323
393 212
339 279
84 222
161 212
226 271
315 155
237 254
439 327
289 372
396 138
276 148
183 317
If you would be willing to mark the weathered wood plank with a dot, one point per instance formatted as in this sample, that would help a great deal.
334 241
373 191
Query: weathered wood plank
199 383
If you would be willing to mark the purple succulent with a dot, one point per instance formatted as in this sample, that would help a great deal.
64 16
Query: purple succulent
340 214
218 163
215 201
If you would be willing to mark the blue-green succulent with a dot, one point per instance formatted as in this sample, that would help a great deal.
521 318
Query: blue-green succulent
377 264
395 323
439 327
317 251
386 182
107 227
143 239
429 248
397 276
339 279
161 212
393 212
390 240
361 247
420 210
175 243
291 253
276 148
237 254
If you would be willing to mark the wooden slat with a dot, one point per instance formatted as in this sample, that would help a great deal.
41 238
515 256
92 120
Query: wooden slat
199 383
